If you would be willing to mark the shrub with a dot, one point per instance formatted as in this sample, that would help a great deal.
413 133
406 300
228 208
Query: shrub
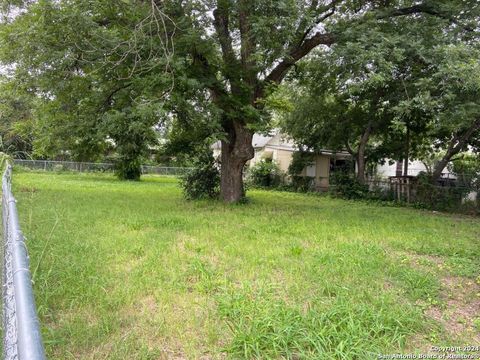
467 170
265 174
128 167
203 181
379 192
347 186
302 183
131 129
300 160
432 196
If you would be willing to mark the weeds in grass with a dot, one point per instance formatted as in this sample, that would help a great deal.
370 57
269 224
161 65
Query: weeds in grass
134 271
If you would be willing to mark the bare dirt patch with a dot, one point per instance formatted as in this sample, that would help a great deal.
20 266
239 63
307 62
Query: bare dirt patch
26 189
424 262
459 309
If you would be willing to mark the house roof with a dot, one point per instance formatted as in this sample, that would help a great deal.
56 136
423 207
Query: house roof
258 140
275 140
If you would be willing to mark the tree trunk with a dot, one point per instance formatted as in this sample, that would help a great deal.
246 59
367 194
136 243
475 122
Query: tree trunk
361 168
407 151
456 145
361 154
437 172
237 149
398 169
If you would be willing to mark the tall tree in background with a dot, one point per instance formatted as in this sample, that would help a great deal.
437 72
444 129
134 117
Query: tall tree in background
402 85
342 99
456 128
96 68
16 120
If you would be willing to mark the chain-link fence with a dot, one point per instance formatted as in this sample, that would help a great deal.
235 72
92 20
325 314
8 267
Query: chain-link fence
51 165
164 170
21 329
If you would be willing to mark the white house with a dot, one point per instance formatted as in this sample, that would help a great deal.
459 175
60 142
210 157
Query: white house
415 167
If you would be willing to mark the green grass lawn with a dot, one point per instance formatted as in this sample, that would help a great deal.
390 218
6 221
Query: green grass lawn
130 270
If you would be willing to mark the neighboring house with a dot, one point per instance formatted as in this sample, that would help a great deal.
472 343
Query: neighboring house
415 167
279 148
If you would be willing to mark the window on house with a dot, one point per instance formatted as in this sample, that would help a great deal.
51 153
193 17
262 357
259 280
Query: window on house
341 166
311 169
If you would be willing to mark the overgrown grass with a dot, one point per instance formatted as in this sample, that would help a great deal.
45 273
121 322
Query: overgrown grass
130 270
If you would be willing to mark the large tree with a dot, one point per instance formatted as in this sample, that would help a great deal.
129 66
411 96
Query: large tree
456 127
408 88
342 99
256 43
95 68
229 55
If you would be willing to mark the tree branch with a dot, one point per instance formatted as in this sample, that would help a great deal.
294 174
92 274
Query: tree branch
247 46
425 9
349 148
221 24
456 145
214 86
304 45
279 72
327 12
108 99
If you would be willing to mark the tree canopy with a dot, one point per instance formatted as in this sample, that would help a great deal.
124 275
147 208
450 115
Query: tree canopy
108 73
395 91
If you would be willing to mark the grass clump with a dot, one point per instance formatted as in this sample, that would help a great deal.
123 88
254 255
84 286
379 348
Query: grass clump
264 327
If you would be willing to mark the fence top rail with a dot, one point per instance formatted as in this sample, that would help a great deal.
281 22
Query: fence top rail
28 161
22 336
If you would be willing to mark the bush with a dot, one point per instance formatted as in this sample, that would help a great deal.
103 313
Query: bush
302 183
203 181
128 168
298 183
467 170
379 192
265 174
347 186
131 129
434 197
300 160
